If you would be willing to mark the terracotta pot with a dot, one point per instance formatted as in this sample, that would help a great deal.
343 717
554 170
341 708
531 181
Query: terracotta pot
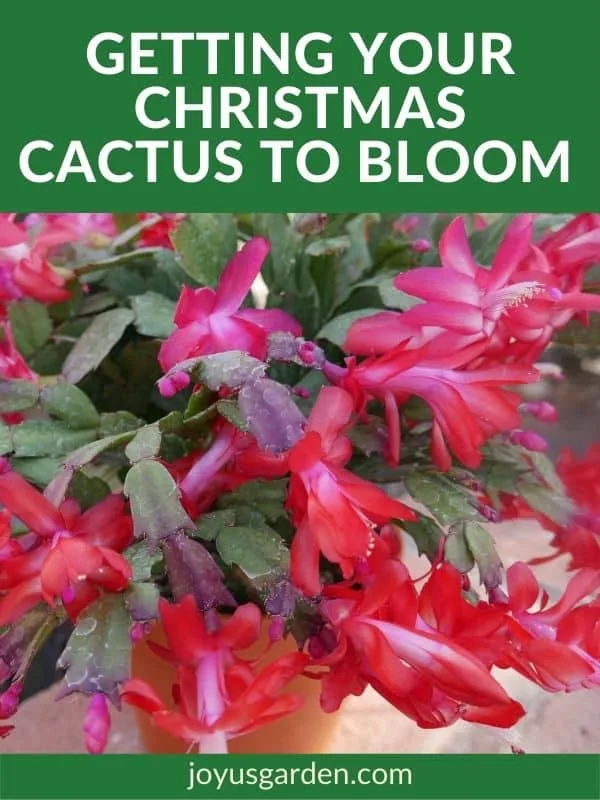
309 730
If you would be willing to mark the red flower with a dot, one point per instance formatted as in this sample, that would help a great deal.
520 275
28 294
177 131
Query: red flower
211 321
469 406
24 269
72 557
335 512
580 477
557 647
94 230
12 363
218 695
159 234
201 475
430 660
578 534
575 246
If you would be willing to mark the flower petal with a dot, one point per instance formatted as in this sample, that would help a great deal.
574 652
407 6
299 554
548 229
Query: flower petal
330 414
271 320
455 251
29 505
242 629
239 274
512 251
435 283
523 588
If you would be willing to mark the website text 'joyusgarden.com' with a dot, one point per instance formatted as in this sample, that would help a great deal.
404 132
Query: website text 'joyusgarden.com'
269 778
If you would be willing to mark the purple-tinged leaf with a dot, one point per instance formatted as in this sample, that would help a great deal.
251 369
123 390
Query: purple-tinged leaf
281 597
271 414
16 639
192 570
142 595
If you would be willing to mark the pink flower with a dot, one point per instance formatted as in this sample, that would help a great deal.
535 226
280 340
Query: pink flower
93 230
575 246
461 296
558 263
406 224
212 321
24 270
525 331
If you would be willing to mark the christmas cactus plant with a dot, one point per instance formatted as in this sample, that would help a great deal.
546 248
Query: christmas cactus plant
226 422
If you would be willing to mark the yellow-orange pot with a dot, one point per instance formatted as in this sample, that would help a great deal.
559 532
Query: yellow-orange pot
309 730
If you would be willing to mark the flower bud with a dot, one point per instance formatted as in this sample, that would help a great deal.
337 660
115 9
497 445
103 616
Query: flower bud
542 410
9 700
310 354
529 440
96 725
307 224
301 391
137 632
406 224
421 245
487 512
276 629
171 384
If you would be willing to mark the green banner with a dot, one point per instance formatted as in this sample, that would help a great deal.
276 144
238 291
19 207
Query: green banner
547 777
267 106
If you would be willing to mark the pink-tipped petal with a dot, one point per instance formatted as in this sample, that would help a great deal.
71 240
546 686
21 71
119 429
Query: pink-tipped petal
457 317
435 283
378 333
330 414
455 251
512 251
271 320
240 273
